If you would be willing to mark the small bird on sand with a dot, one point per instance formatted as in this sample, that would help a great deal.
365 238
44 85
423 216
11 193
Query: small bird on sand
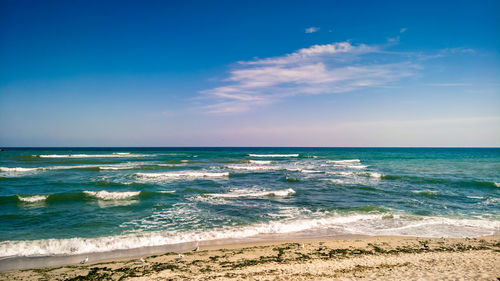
196 249
302 246
85 260
142 260
179 257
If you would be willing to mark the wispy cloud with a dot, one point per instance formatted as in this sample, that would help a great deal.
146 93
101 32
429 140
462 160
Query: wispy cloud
312 29
403 30
320 69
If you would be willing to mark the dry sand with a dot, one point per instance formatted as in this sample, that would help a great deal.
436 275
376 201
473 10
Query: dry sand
382 258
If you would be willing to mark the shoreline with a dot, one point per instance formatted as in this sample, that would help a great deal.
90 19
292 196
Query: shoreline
36 262
323 258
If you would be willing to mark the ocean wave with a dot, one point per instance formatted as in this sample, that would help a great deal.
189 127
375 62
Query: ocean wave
82 196
17 169
32 198
365 224
497 184
254 168
254 193
425 193
176 175
260 162
117 195
301 170
344 161
95 167
341 173
492 201
113 155
273 155
352 166
428 180
372 175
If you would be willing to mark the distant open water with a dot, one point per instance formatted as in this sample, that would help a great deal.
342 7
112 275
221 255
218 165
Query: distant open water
74 201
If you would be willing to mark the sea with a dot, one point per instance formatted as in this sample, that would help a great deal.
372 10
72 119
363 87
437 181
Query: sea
78 201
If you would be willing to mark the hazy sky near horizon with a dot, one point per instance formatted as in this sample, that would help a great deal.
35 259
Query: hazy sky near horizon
249 73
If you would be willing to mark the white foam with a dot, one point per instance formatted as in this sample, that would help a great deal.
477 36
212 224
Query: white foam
372 175
166 191
32 198
254 193
492 201
344 161
185 174
92 155
254 168
300 170
17 169
62 167
337 181
273 155
368 224
497 184
351 166
105 195
260 162
475 197
424 191
117 167
341 173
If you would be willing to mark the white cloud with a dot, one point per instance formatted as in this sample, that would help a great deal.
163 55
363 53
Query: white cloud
403 30
320 69
312 29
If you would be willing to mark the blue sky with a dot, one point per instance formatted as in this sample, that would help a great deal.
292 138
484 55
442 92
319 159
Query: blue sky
249 73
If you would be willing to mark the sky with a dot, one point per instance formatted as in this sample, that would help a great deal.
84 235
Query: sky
249 73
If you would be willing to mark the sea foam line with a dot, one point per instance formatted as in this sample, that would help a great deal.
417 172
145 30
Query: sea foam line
345 161
273 155
368 224
32 198
254 168
117 195
114 155
260 162
17 169
174 175
254 193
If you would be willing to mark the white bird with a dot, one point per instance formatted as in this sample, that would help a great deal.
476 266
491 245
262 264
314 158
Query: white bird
302 246
181 256
142 260
85 260
196 249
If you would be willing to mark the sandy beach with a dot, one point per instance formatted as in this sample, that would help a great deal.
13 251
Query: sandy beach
385 258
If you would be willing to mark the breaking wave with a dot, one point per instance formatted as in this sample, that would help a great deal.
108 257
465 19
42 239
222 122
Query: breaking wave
32 198
113 155
117 195
273 155
260 162
254 193
367 224
176 175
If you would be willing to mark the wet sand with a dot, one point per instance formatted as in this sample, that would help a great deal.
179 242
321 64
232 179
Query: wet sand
385 258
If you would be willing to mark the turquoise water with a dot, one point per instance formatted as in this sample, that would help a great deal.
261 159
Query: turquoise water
73 201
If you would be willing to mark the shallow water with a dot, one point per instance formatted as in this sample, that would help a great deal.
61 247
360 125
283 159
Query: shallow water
75 201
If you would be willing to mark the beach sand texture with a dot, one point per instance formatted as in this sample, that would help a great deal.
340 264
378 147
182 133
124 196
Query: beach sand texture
382 258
